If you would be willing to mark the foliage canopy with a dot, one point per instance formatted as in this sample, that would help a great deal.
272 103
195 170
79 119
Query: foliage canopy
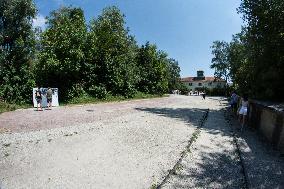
255 55
96 59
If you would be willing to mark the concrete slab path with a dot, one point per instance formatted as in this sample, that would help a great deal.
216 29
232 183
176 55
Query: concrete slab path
212 161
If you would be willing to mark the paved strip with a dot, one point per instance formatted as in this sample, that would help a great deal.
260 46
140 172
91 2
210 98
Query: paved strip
264 166
184 153
213 161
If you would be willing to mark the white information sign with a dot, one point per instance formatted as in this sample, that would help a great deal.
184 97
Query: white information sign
44 100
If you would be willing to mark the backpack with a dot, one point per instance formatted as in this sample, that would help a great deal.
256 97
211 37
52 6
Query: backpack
38 94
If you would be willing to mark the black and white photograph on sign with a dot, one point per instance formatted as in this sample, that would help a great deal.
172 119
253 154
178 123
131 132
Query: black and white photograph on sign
44 99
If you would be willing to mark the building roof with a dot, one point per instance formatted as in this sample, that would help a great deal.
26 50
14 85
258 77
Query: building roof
204 79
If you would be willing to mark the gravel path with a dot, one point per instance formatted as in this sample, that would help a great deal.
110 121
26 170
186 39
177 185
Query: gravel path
212 161
32 120
115 145
264 166
134 144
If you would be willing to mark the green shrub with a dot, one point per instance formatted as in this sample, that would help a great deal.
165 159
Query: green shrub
76 90
99 92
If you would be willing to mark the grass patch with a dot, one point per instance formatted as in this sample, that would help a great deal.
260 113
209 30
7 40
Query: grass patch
6 107
92 100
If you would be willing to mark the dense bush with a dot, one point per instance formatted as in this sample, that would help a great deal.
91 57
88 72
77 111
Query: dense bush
99 92
183 89
218 91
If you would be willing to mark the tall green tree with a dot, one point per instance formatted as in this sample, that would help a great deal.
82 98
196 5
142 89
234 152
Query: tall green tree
112 52
16 49
62 58
220 61
173 70
264 42
153 70
240 69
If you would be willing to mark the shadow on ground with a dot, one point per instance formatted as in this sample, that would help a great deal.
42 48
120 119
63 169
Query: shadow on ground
263 165
219 168
222 168
188 115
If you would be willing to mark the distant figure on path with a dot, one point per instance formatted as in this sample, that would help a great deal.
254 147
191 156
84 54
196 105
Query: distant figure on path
49 98
203 95
38 97
234 101
243 110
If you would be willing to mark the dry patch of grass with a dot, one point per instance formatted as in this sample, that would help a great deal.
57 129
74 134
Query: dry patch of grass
6 107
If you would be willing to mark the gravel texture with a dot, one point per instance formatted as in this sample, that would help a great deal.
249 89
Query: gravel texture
212 161
134 144
114 145
264 166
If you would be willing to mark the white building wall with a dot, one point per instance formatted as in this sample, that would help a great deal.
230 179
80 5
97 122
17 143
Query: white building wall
206 84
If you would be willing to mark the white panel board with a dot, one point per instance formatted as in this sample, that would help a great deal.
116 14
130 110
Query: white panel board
44 100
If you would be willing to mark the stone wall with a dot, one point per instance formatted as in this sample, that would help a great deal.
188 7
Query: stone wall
268 119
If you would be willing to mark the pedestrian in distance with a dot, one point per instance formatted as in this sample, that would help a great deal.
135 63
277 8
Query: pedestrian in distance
203 95
49 98
38 97
243 110
234 102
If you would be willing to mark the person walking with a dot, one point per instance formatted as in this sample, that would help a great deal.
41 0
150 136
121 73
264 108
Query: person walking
203 95
243 110
49 98
234 102
38 97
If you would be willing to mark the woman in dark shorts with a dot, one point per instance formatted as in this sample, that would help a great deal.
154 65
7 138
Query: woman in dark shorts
38 97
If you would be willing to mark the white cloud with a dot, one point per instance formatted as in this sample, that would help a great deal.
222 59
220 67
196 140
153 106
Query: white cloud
39 21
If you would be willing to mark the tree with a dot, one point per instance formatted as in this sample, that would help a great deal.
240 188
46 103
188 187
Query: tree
100 60
62 58
239 66
153 70
111 57
173 74
264 42
17 48
220 60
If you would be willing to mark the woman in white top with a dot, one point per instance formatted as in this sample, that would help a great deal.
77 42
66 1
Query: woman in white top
243 110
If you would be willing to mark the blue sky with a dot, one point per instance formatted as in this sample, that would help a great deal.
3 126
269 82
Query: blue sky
185 29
